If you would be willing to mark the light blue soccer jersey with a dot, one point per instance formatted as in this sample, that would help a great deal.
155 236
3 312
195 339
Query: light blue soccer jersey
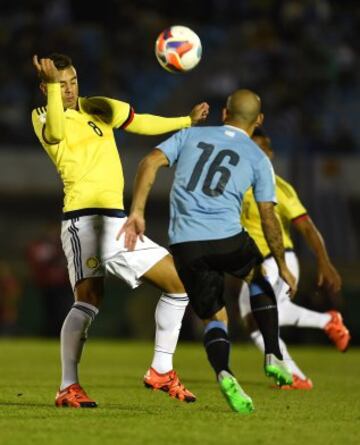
214 168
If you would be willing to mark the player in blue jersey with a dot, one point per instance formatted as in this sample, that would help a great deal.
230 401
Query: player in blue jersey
214 168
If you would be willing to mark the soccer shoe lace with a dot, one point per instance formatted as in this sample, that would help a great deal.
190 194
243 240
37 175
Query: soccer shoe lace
74 396
168 382
236 397
337 331
277 369
299 383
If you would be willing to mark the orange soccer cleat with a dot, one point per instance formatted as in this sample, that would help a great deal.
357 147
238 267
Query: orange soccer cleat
74 396
168 382
299 383
337 331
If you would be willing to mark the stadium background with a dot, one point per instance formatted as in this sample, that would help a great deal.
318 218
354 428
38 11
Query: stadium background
300 56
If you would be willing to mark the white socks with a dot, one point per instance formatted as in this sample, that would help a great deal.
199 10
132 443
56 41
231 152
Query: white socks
257 338
168 317
73 336
291 314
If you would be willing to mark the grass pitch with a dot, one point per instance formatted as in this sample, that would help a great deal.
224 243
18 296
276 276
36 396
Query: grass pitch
128 413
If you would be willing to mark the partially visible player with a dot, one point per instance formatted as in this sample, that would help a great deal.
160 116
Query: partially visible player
291 213
214 168
78 135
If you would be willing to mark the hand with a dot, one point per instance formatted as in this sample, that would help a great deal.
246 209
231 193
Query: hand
134 228
289 279
199 113
46 70
329 278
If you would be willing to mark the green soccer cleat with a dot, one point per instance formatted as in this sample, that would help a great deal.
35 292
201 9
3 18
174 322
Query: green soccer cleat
238 400
277 369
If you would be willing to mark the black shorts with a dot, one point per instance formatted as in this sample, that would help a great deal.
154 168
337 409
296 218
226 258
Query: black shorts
202 265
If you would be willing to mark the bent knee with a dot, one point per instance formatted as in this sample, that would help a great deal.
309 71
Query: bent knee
175 285
220 315
90 290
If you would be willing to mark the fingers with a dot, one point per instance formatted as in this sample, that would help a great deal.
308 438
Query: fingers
46 69
121 231
36 62
203 106
204 109
131 235
37 65
47 65
130 241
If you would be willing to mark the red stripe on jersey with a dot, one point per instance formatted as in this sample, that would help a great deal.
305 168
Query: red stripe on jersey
300 218
129 118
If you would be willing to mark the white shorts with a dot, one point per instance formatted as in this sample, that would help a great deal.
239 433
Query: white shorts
91 249
272 273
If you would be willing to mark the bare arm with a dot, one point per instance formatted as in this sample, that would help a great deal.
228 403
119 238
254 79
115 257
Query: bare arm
327 274
272 231
273 235
134 227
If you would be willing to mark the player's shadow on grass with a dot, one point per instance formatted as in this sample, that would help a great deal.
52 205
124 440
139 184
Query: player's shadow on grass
27 404
211 382
128 382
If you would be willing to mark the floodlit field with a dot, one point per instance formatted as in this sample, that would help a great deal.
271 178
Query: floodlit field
111 372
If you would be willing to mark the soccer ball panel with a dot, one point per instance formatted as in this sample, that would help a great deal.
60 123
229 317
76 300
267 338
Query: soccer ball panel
178 49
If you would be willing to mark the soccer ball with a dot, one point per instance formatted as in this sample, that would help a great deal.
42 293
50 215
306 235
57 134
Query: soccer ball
178 49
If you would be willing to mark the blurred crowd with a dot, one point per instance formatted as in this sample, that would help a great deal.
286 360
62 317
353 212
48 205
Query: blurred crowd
300 55
43 294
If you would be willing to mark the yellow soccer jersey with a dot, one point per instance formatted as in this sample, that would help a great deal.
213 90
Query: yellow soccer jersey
288 208
87 158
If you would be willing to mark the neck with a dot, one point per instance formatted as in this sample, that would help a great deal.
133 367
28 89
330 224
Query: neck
248 129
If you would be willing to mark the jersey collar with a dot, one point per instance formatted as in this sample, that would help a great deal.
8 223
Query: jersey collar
237 129
79 108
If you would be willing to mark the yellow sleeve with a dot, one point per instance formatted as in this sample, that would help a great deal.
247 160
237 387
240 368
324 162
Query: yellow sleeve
289 204
120 114
54 130
38 120
111 111
151 125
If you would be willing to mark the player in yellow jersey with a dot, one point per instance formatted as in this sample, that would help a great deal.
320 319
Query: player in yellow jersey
291 212
78 135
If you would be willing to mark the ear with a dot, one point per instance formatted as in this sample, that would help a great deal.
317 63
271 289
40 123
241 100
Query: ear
224 114
260 120
43 88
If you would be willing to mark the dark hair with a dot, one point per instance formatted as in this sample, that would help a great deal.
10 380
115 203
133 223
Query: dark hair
260 132
61 61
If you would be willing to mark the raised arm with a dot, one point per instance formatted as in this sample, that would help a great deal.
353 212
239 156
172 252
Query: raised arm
327 275
150 124
54 128
273 235
134 227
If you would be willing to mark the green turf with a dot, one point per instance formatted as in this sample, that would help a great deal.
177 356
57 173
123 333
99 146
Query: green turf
128 413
